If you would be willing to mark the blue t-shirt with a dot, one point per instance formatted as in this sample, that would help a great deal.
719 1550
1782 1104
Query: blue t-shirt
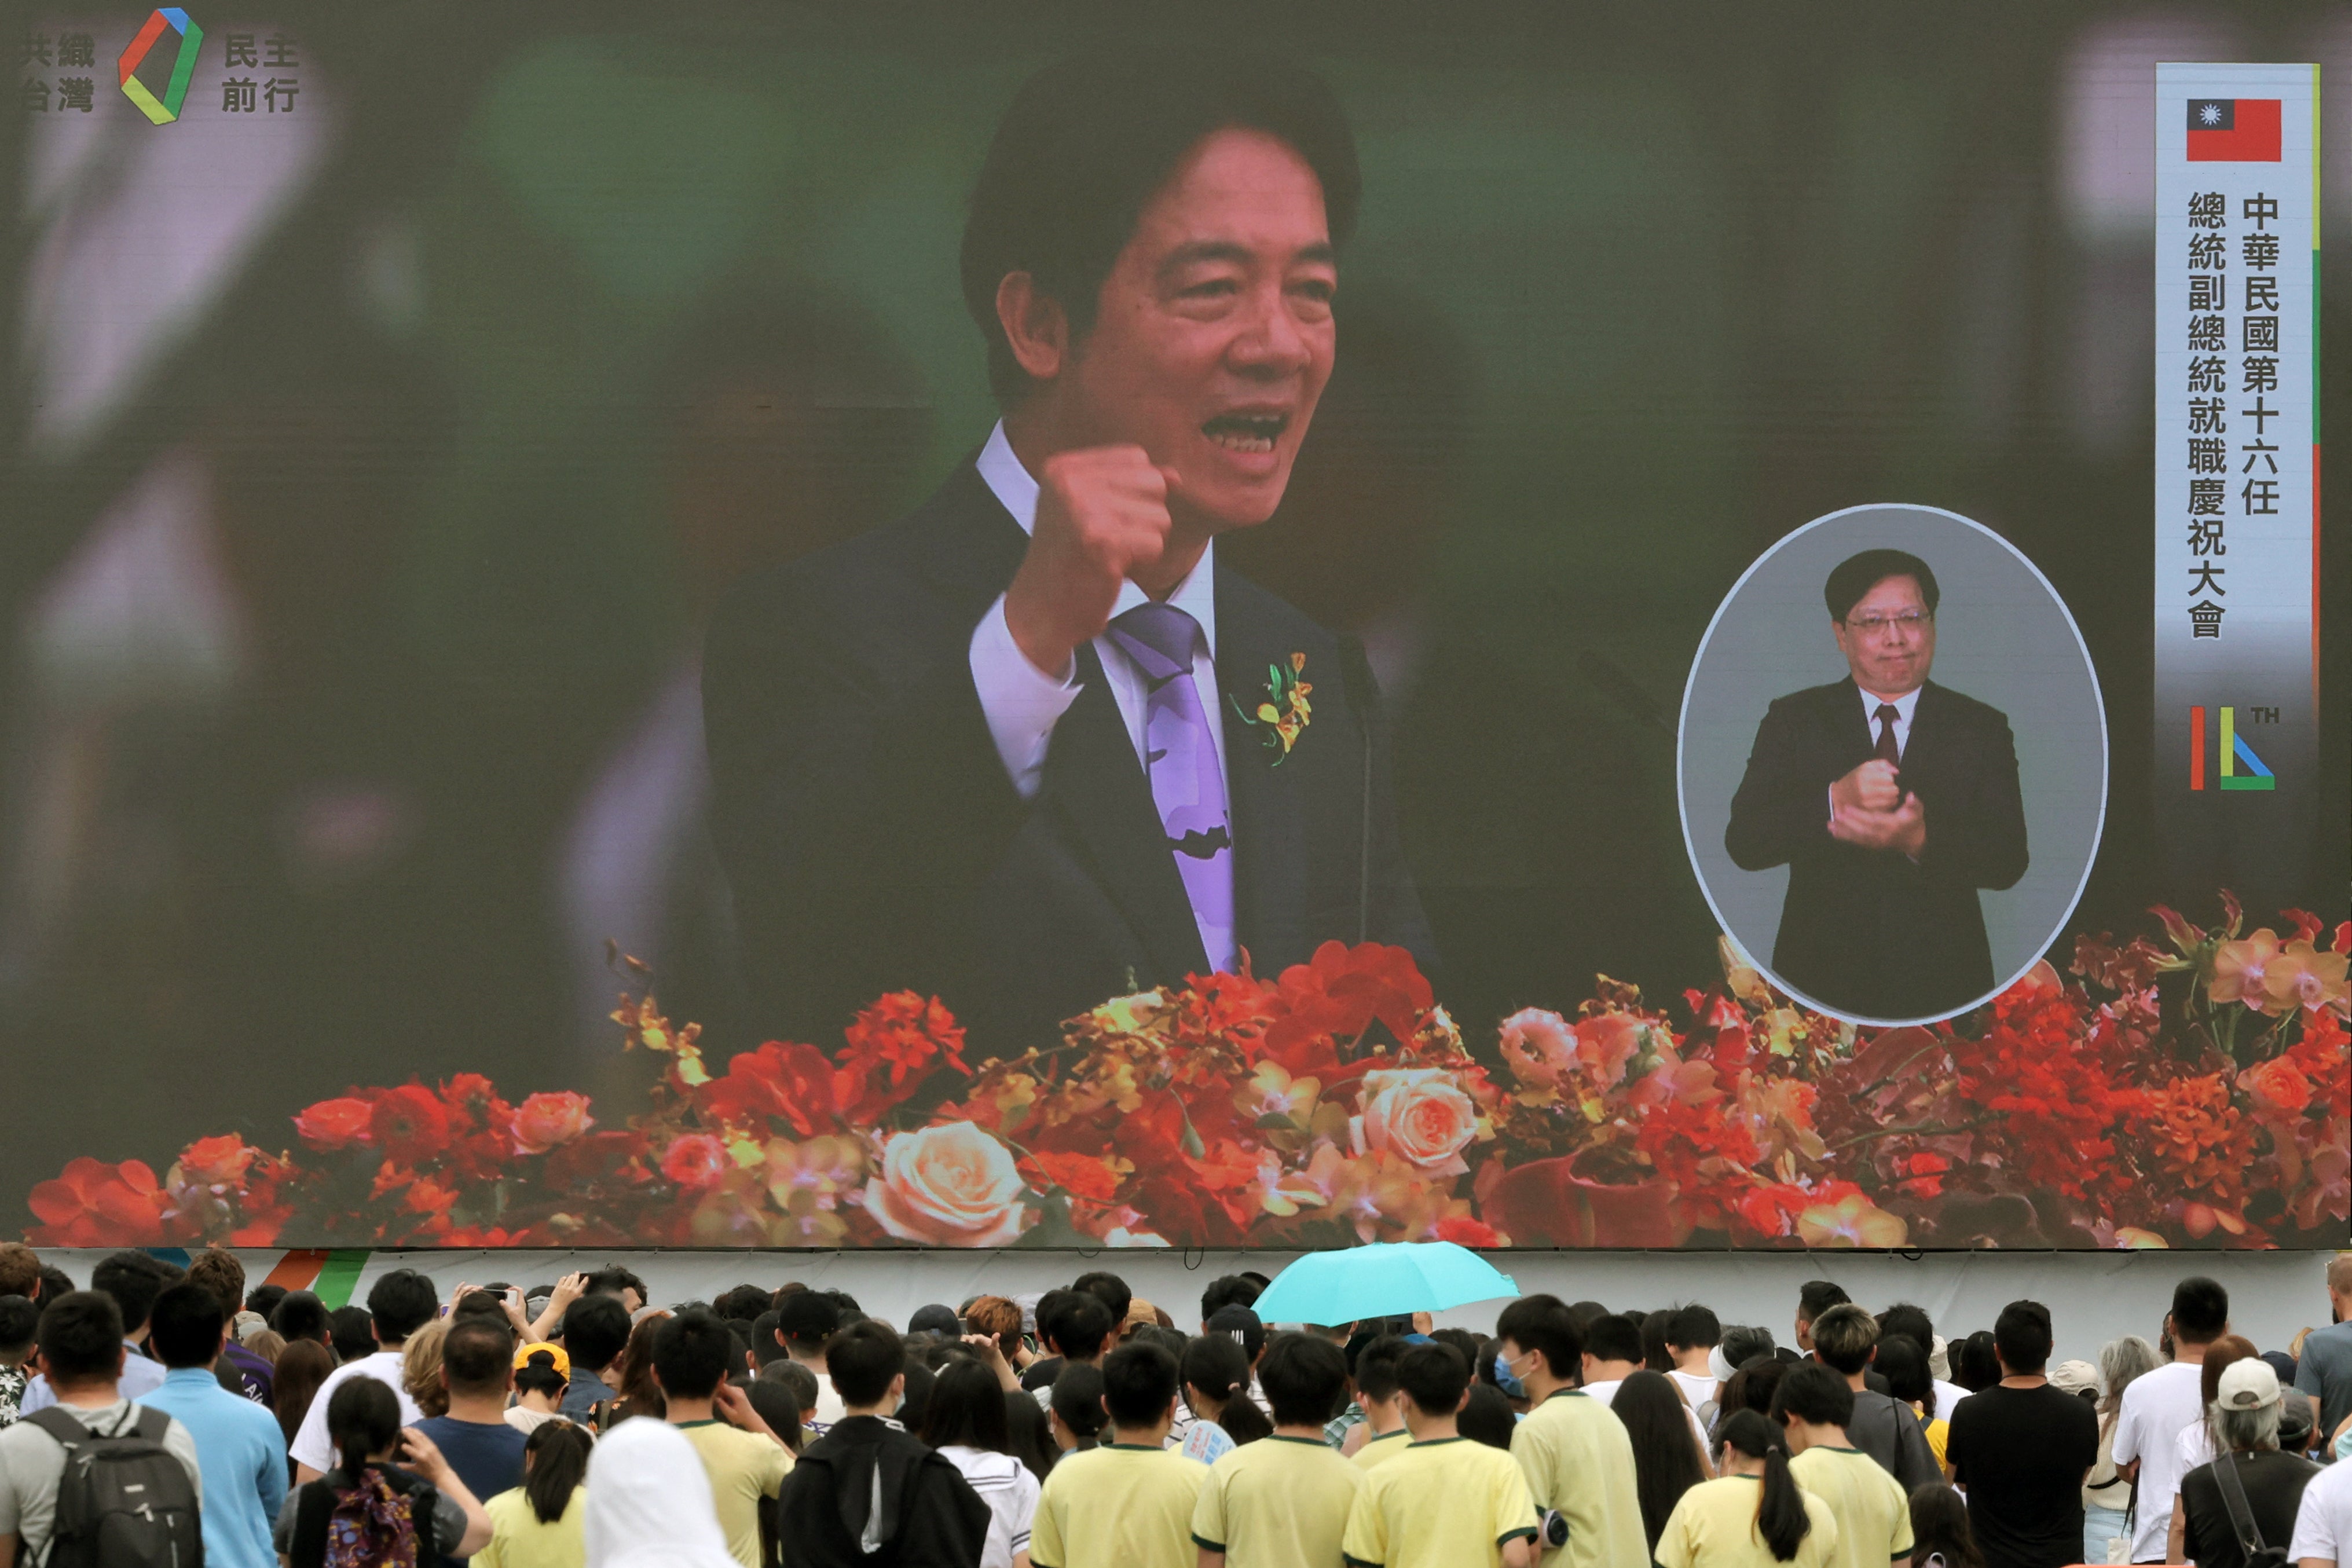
241 1453
487 1455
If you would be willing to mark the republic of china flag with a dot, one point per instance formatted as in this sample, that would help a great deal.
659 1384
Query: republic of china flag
2233 130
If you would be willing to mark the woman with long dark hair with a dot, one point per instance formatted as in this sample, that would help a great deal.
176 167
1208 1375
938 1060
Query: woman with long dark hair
636 1391
966 1423
1754 1515
295 1379
1940 1535
397 1514
543 1522
1667 1460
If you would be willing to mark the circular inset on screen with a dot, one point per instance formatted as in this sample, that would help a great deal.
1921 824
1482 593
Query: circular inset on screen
1892 764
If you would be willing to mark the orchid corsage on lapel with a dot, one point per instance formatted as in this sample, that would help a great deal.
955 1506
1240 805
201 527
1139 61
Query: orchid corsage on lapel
1283 716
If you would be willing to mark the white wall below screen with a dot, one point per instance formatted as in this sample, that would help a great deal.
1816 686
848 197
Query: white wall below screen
2092 1297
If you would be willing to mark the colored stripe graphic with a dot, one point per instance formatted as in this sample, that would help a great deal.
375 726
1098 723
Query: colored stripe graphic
340 1275
2235 751
2196 748
298 1268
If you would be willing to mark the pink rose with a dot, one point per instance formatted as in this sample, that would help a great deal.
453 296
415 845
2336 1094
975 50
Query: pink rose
1608 1042
696 1161
544 1120
1538 1046
1418 1114
950 1186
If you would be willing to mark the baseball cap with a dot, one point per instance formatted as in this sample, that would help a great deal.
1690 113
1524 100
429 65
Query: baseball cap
562 1362
2075 1376
1718 1365
935 1318
2248 1384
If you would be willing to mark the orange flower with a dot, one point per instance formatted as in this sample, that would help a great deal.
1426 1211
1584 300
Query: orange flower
1852 1220
1088 1176
2277 1088
2196 1135
544 1120
217 1162
95 1204
337 1123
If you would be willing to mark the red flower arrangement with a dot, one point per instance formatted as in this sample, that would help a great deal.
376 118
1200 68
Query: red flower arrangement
2194 1094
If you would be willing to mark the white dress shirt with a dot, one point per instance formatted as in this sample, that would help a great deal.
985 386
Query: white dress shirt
1904 706
1023 703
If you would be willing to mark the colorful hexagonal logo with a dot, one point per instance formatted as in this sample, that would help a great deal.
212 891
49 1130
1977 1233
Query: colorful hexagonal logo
166 19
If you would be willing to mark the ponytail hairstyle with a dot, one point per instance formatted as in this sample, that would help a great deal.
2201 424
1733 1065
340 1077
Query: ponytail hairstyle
1218 1366
362 1418
556 1457
538 1375
1780 1518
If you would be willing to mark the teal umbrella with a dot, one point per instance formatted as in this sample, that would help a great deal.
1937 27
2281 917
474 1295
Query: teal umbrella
1383 1279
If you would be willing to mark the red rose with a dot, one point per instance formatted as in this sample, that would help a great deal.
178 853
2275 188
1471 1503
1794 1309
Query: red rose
409 1124
696 1161
544 1120
2277 1088
337 1123
1339 993
1465 1232
94 1204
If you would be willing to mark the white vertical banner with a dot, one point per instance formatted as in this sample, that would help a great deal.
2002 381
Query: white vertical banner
2237 457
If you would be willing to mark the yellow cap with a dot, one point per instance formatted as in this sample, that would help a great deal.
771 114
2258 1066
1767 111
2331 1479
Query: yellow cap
562 1362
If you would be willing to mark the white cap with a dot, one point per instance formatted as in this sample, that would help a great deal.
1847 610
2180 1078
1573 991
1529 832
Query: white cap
1939 1358
2248 1383
1718 1366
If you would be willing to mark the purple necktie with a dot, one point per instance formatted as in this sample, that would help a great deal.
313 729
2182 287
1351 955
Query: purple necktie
1180 756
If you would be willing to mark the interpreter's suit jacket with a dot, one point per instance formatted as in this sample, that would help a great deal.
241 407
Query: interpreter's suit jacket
1869 932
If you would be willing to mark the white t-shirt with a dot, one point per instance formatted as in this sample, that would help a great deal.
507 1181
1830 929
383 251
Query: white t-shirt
2193 1448
2156 1408
1948 1395
1606 1391
829 1408
1008 1489
311 1446
1698 1391
2325 1516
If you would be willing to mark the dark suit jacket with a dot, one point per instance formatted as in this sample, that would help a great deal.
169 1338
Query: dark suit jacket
1867 932
874 844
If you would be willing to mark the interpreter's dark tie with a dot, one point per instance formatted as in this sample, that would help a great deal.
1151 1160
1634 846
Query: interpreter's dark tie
1888 751
1180 756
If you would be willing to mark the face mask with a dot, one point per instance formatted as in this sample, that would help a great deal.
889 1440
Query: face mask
1504 1381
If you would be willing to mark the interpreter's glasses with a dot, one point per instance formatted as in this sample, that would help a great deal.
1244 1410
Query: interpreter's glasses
1909 621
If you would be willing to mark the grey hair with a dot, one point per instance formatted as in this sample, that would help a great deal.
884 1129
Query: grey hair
2245 1431
2120 1362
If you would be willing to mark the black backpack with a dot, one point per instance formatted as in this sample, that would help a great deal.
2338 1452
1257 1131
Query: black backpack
124 1500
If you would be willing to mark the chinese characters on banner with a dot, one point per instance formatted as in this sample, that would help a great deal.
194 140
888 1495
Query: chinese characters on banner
2237 466
272 62
58 70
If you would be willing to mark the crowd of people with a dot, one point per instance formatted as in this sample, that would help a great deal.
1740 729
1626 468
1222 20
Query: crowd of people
170 1415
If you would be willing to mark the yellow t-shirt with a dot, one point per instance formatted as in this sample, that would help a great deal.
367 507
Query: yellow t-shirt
1580 1461
1874 1516
1449 1503
743 1467
1279 1502
1380 1449
1714 1526
1119 1506
518 1539
1938 1434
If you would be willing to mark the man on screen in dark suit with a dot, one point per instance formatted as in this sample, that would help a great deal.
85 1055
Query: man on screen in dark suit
1891 800
1012 750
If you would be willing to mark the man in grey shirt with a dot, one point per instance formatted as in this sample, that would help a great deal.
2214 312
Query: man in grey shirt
2324 1372
82 1353
1845 1338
